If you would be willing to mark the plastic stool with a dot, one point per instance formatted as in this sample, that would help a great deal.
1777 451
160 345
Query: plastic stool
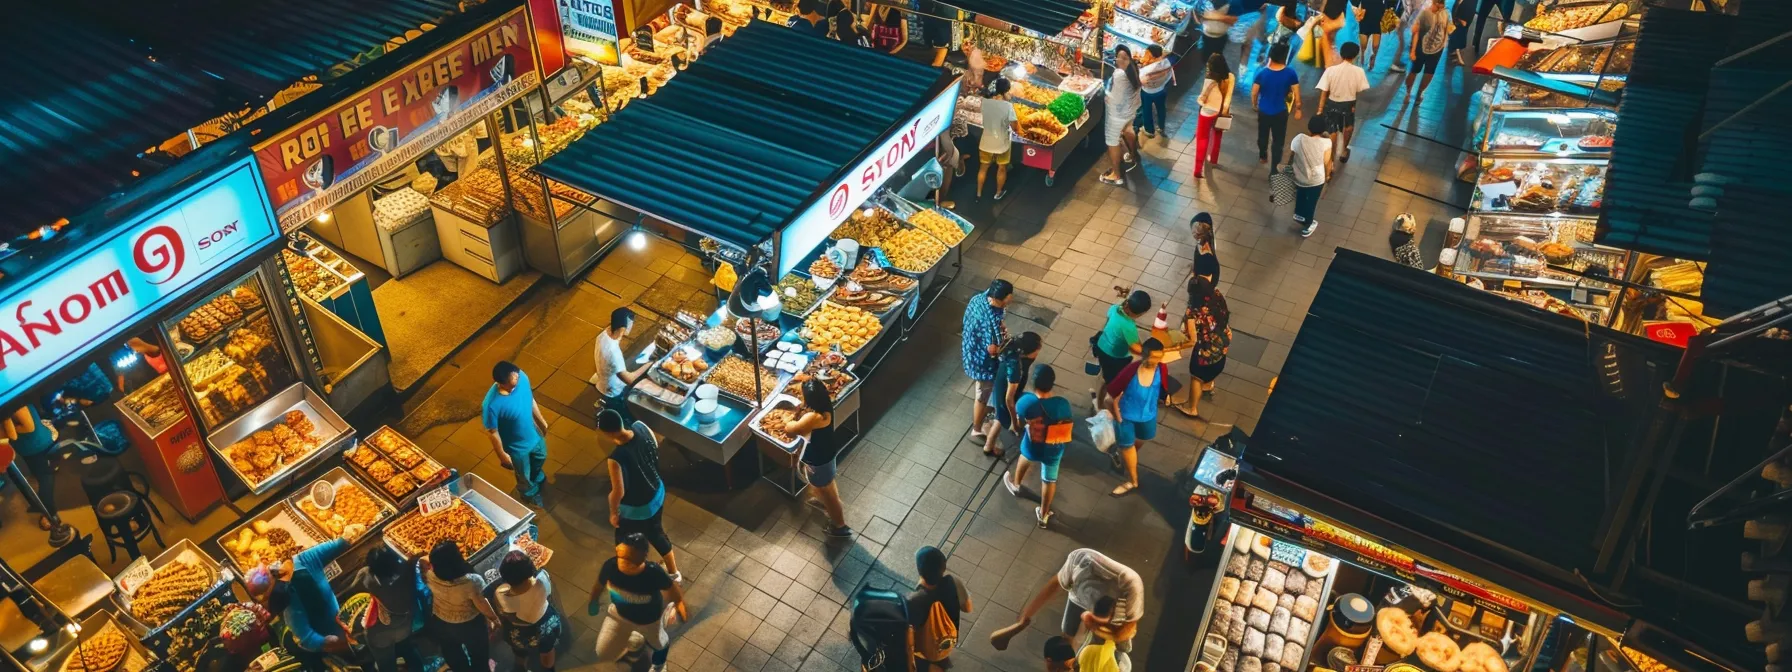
106 475
124 521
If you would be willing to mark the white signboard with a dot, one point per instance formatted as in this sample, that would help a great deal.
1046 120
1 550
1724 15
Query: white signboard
128 273
813 225
588 28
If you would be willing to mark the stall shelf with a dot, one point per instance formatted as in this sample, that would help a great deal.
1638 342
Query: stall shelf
335 283
1518 90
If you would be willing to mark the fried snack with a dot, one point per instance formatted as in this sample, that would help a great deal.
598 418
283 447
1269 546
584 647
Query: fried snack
939 226
1396 630
388 441
399 485
876 301
416 533
100 653
735 376
1479 657
824 269
381 470
405 456
363 457
872 277
169 590
1438 652
260 543
913 250
850 328
352 506
423 472
798 294
871 230
774 421
299 422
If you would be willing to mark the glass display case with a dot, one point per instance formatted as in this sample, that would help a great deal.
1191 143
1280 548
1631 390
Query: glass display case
1611 58
1521 247
1551 133
1158 22
230 354
1561 91
1539 186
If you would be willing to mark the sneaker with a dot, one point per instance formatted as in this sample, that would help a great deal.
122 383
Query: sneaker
1118 182
1310 227
841 532
1001 194
1397 68
657 667
678 578
1040 515
1008 482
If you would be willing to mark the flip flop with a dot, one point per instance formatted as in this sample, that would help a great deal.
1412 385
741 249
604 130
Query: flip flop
1128 489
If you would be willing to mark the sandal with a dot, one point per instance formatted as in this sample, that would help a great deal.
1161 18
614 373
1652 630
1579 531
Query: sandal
1185 413
1124 490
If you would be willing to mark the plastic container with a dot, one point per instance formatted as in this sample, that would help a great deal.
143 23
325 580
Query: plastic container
707 410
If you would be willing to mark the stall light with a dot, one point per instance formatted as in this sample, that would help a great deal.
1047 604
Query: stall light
323 217
38 645
637 240
528 143
73 628
868 211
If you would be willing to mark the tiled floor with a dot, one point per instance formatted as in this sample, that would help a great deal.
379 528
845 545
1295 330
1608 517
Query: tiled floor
767 589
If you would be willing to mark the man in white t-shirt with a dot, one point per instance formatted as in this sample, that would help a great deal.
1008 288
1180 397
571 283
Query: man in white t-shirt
996 147
1086 577
1312 164
1338 89
613 375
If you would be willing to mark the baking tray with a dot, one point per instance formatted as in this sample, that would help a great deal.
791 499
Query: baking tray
772 391
137 657
332 432
505 514
340 477
884 328
280 515
183 549
794 446
668 380
402 502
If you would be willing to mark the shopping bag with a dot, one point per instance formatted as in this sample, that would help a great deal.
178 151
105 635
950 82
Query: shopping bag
1307 53
1281 186
1101 431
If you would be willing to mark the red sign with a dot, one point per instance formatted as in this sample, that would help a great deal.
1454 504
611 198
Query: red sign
1671 333
365 137
546 16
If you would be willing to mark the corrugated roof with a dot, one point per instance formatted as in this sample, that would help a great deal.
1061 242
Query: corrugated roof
1751 243
1489 425
737 144
1649 181
1043 16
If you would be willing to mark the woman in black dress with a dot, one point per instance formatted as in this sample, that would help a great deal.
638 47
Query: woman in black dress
1373 17
816 423
1207 325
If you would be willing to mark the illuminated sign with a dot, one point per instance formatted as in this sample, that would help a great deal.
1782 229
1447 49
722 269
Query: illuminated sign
122 278
588 28
802 234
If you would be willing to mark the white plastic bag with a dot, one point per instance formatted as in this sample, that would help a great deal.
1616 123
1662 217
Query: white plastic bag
1101 431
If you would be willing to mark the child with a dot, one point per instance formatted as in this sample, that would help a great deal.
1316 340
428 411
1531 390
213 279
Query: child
935 630
1312 165
1060 656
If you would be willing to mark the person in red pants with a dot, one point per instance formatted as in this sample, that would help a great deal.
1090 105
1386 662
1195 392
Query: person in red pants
1216 112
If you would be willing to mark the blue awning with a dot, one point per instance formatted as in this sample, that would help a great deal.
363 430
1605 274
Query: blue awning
740 142
1049 17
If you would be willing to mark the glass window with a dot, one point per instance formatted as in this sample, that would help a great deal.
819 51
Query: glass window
229 351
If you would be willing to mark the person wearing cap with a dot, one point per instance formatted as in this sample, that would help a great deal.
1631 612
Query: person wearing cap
1401 242
298 591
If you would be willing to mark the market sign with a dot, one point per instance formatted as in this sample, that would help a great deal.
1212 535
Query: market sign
366 137
121 278
588 28
808 229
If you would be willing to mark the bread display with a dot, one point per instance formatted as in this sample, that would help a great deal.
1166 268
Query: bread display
1438 652
158 403
774 421
263 542
1396 629
1306 608
735 376
1260 607
844 326
170 589
312 279
351 513
873 300
416 533
102 652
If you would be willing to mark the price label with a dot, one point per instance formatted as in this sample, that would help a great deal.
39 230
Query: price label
435 501
323 494
266 660
134 575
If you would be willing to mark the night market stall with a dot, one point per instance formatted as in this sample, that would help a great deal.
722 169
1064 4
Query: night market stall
786 200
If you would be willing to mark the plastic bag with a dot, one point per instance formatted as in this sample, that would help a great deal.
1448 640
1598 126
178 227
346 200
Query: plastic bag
1101 431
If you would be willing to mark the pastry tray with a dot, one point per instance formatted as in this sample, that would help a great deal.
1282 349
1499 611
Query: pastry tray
338 477
183 549
281 515
794 446
137 657
331 432
506 515
367 480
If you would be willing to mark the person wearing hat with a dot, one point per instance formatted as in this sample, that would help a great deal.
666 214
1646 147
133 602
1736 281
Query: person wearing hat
1404 246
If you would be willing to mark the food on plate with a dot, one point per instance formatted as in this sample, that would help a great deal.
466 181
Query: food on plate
684 365
416 533
735 376
1079 83
870 230
824 268
1396 630
1316 565
876 301
1438 652
1479 657
1498 174
768 331
774 421
1556 252
913 250
399 485
939 226
870 276
349 515
798 293
844 326
100 653
169 590
261 542
716 338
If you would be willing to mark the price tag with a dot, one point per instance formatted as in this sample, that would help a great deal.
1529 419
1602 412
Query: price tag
134 575
331 571
323 494
266 660
644 39
435 501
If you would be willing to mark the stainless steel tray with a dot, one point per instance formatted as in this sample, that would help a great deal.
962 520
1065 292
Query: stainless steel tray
281 515
339 478
332 432
506 515
183 549
136 656
368 444
793 446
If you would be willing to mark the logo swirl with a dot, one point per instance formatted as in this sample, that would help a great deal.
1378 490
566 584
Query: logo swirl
837 201
160 249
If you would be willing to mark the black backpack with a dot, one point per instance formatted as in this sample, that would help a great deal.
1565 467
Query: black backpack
879 630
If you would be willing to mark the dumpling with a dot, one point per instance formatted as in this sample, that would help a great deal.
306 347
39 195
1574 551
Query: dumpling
1241 542
1295 584
1264 600
1286 601
1278 620
1235 632
1255 572
1314 588
1292 656
1237 565
1298 630
1248 663
1247 591
1272 647
1253 643
1257 618
1228 588
1272 667
1305 608
1229 661
1273 580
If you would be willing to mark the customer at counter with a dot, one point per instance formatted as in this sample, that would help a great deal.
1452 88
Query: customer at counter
33 444
637 494
397 587
516 426
457 601
305 601
613 375
820 451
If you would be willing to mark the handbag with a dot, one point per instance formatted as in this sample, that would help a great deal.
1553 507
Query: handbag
1390 20
1281 186
1223 123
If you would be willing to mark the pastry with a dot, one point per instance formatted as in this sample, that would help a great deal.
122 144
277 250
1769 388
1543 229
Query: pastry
1278 566
1272 647
1305 608
1235 631
1438 652
1295 584
1228 588
1479 657
1274 580
1247 591
363 457
416 534
169 590
1222 613
1314 588
1298 630
1265 599
1278 621
1261 547
1237 564
100 653
1316 565
1257 618
1293 655
1253 642
1249 663
1229 661
381 470
1286 601
1272 667
1396 630
1256 570
399 485
1241 542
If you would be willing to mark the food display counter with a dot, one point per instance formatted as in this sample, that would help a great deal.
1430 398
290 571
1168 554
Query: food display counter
1540 186
321 275
1266 602
153 595
280 439
1159 22
395 466
1610 58
102 642
1055 113
478 516
1531 90
1584 19
1551 133
229 352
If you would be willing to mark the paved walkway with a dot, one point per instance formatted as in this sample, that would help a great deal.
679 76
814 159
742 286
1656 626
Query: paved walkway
765 586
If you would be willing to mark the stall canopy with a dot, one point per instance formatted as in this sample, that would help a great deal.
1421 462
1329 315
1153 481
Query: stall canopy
737 145
1498 430
1043 16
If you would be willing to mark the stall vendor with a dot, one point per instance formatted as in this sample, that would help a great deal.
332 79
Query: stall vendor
304 599
137 363
33 442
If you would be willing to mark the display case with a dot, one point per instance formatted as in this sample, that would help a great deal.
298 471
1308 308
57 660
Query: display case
1540 186
1547 133
1523 247
1159 22
230 354
1583 19
1557 91
1607 58
280 439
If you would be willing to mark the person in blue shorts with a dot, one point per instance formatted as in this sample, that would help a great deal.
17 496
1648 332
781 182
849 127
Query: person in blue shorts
1134 396
1046 422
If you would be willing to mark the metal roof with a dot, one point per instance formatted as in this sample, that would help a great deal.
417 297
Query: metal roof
1484 423
1649 182
1750 244
1042 16
735 146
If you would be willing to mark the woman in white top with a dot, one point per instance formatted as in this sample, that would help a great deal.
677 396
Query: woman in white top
531 624
1216 104
458 602
1122 105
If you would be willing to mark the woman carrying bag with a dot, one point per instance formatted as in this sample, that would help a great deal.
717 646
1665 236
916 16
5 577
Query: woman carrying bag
1216 112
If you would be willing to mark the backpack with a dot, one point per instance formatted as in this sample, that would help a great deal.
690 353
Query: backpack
938 636
878 630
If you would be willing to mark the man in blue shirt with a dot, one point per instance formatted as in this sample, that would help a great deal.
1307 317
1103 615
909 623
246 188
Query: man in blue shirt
309 607
1275 93
514 422
983 336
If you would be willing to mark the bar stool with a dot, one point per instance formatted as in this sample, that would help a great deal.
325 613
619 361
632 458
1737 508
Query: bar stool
103 476
124 521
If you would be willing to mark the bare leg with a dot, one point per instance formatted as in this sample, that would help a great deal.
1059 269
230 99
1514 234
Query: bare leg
1422 84
1047 491
944 197
939 56
547 660
982 175
1114 153
830 500
1001 178
980 407
1130 457
670 562
1021 465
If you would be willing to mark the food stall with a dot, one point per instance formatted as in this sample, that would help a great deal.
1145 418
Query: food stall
781 214
1151 22
1055 91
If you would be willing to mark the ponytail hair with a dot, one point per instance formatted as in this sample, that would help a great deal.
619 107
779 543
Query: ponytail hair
1021 345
